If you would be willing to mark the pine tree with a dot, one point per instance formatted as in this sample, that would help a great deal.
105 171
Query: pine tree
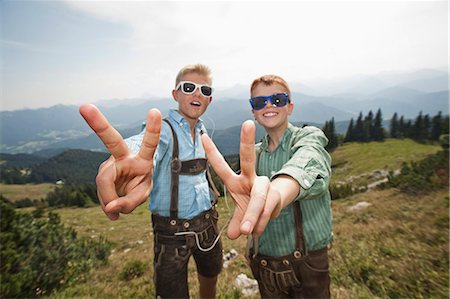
401 128
418 127
409 130
368 127
436 126
358 131
426 127
394 128
378 132
445 126
349 135
330 132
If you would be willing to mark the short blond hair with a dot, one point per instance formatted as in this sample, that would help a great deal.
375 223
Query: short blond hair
198 68
270 80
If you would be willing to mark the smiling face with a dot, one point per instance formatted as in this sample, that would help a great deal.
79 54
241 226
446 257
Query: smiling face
270 117
192 106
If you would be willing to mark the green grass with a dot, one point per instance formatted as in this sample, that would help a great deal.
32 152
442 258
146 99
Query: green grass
354 159
396 248
32 191
133 239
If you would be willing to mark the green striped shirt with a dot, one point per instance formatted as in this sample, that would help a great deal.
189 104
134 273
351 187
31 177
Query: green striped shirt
301 155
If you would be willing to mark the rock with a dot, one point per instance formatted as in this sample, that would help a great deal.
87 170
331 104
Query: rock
248 286
359 206
228 257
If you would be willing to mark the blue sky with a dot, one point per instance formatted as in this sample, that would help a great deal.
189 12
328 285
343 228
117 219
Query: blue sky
70 52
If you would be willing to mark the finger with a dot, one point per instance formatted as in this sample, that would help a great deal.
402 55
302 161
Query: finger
105 182
107 134
111 216
105 166
271 209
151 136
256 204
128 203
234 230
216 160
247 149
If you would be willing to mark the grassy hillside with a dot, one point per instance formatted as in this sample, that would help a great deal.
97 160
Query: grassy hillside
32 191
356 159
19 160
395 247
73 166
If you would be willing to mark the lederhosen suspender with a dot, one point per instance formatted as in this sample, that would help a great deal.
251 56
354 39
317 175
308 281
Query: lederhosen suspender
187 167
300 243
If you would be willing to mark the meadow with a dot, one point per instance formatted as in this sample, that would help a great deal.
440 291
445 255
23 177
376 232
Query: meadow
396 246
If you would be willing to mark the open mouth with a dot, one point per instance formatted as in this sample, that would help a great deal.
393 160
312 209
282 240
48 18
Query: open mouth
270 114
196 104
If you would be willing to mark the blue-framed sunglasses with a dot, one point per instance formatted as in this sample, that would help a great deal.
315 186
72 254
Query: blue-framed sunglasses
277 100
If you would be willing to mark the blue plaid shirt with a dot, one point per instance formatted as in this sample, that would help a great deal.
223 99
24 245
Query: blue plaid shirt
194 195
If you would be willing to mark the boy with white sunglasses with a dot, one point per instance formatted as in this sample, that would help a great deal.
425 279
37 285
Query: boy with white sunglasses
168 160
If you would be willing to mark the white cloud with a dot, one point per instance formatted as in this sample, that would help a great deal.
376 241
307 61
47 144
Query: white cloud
301 39
241 40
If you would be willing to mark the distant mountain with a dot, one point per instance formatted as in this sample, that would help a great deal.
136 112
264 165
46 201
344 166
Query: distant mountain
49 152
425 80
60 127
399 93
71 166
53 123
318 113
20 160
404 101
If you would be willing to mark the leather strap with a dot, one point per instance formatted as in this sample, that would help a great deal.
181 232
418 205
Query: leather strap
194 166
175 169
300 243
186 167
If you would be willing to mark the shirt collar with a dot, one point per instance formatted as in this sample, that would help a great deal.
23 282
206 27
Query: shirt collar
284 140
180 120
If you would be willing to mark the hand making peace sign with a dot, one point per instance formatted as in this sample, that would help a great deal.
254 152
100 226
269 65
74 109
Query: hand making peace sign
124 181
255 201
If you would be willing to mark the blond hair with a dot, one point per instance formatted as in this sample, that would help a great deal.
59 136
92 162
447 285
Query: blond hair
270 80
198 68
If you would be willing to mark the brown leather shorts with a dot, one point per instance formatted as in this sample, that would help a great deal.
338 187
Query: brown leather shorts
172 252
293 276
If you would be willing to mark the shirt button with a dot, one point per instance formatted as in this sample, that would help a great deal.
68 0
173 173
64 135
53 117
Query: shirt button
307 184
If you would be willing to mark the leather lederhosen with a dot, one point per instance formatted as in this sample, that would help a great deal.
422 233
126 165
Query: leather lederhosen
301 274
177 239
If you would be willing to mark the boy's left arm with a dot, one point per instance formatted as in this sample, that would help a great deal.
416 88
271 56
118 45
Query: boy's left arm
306 174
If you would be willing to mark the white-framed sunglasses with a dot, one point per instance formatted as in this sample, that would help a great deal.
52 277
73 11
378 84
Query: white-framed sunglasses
188 87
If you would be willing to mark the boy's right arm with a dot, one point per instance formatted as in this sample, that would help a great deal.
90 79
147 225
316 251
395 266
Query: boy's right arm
124 181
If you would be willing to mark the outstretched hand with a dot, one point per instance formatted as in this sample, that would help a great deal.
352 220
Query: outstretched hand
124 181
255 202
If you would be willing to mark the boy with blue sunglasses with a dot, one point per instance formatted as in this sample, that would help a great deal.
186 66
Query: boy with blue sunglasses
281 196
167 161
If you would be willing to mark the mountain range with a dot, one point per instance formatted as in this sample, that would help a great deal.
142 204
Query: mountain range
61 126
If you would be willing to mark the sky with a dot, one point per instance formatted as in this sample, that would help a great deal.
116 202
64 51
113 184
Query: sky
73 52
